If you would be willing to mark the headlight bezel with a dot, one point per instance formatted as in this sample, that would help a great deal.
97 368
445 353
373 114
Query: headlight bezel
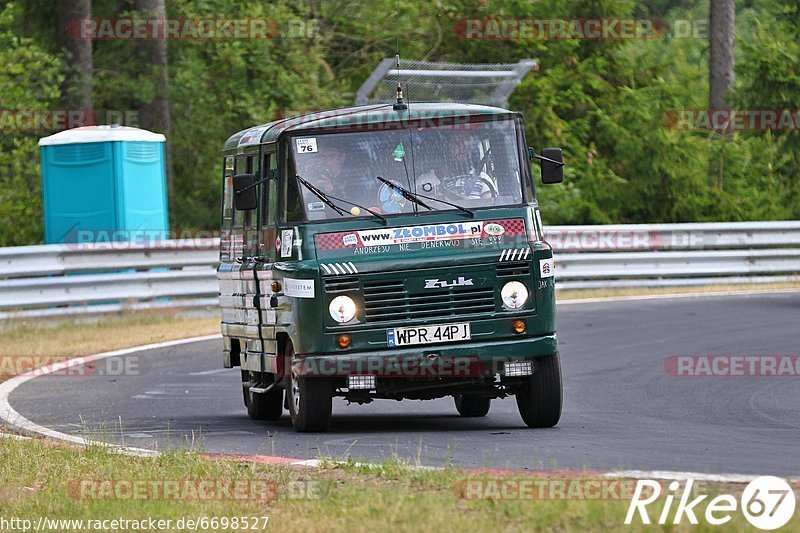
343 309
514 295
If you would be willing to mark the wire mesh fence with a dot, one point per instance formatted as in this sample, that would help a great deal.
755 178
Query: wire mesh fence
427 81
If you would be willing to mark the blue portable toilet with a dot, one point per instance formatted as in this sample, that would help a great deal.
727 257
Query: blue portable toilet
104 183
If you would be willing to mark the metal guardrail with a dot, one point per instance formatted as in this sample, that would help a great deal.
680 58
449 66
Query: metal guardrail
57 280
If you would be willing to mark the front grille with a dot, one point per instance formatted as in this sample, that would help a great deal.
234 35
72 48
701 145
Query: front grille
341 284
389 302
519 268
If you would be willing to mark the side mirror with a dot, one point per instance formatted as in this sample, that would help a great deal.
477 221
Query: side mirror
244 192
552 165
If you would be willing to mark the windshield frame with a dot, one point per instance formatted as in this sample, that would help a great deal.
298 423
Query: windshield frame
527 190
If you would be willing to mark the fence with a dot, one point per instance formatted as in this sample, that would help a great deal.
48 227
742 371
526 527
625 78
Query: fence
78 279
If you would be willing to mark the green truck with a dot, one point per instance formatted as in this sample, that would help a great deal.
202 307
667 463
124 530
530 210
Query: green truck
388 252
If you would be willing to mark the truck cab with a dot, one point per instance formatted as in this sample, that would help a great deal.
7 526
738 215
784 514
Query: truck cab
388 252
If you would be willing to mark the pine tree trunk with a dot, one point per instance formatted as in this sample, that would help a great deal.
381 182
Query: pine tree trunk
77 87
154 115
722 16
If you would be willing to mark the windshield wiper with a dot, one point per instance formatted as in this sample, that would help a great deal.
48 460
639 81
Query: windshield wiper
326 198
321 195
367 209
408 195
463 209
415 197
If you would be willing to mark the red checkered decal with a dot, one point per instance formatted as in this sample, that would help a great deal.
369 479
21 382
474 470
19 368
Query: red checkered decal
332 241
513 226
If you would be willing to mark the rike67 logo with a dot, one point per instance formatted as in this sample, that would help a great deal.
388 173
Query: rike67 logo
767 503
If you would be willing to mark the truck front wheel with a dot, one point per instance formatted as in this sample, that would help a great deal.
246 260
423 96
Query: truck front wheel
539 400
310 400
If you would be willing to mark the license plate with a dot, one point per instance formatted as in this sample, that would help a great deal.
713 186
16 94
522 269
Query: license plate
428 334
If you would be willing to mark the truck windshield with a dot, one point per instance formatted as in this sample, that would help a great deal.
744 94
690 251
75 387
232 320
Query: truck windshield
472 165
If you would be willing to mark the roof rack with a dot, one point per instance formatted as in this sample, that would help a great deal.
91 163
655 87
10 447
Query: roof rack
428 81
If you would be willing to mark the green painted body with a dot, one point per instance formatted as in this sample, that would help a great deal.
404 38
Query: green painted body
257 321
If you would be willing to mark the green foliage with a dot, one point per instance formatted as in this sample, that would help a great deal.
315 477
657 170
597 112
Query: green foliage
607 103
29 81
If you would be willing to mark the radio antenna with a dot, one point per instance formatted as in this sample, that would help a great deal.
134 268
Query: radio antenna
399 104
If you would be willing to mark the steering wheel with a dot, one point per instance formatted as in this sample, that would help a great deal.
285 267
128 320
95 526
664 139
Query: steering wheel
461 187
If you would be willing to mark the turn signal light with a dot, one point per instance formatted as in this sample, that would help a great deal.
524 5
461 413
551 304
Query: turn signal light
343 341
519 326
276 287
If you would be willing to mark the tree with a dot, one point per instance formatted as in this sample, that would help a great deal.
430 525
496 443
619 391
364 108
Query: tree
22 88
77 87
154 111
722 17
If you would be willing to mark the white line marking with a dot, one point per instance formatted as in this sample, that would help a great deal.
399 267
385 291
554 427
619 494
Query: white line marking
314 463
327 270
668 296
209 372
18 422
355 270
682 476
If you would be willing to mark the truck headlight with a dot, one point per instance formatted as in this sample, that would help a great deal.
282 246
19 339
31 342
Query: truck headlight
342 309
514 294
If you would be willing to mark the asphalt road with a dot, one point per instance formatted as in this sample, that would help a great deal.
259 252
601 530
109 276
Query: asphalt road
622 409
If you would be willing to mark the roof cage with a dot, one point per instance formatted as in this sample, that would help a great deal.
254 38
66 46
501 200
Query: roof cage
427 81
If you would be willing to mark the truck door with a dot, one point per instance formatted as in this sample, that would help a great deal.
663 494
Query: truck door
266 258
245 231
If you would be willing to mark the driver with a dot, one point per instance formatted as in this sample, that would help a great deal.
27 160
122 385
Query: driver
334 173
326 173
456 161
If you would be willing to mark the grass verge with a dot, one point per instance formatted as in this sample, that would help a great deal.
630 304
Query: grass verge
582 294
102 335
58 482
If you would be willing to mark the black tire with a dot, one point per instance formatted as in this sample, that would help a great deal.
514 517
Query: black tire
267 406
310 400
540 399
472 406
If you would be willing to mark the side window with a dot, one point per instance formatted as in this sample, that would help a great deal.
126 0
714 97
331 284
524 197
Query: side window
244 233
268 195
251 218
267 213
226 252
